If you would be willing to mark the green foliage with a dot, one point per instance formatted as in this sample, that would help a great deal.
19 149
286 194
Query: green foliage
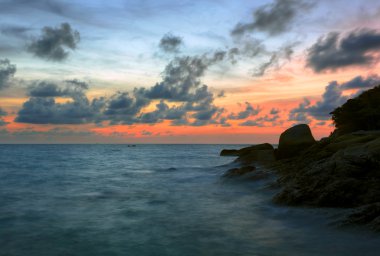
360 113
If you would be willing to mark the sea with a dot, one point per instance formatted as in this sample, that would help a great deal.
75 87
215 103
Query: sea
154 200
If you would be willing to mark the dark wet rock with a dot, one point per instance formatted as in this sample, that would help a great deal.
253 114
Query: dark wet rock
341 172
294 140
256 153
236 172
247 172
229 152
247 150
262 156
368 215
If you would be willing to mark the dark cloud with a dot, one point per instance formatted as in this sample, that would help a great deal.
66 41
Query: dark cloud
182 78
80 85
170 43
72 88
251 123
46 89
191 102
46 110
2 113
54 132
274 111
273 18
336 51
272 119
54 43
42 107
274 61
123 107
15 31
249 111
322 123
246 48
52 6
224 122
146 133
7 71
332 98
300 114
360 82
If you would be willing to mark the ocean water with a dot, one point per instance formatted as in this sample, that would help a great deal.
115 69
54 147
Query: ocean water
153 200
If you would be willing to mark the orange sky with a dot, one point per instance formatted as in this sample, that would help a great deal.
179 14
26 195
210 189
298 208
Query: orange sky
111 60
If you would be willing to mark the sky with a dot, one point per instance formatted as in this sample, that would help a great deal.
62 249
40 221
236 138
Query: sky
210 71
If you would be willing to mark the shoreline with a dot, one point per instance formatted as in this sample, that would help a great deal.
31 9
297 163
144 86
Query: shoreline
335 172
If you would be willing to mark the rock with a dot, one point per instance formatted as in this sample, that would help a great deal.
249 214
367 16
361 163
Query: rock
229 152
259 153
247 150
235 172
366 215
262 156
343 172
294 140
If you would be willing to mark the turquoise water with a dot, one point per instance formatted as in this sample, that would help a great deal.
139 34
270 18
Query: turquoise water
152 200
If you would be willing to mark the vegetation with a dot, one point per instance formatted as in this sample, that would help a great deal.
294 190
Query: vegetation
360 113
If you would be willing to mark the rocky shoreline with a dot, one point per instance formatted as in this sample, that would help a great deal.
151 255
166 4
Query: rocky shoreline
341 171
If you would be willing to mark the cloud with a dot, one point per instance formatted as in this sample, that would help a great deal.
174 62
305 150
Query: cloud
332 98
54 43
2 113
170 43
300 114
274 111
146 133
274 18
272 118
54 132
15 31
55 7
182 78
360 82
249 111
72 88
336 51
251 123
247 48
274 61
123 107
191 102
7 71
47 111
42 107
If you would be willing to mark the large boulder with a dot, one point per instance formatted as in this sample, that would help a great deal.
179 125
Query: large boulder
294 140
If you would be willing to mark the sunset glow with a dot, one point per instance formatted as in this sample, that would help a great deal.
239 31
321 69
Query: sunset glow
180 71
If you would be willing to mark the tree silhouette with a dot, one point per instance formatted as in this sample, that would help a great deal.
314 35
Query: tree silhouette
360 113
